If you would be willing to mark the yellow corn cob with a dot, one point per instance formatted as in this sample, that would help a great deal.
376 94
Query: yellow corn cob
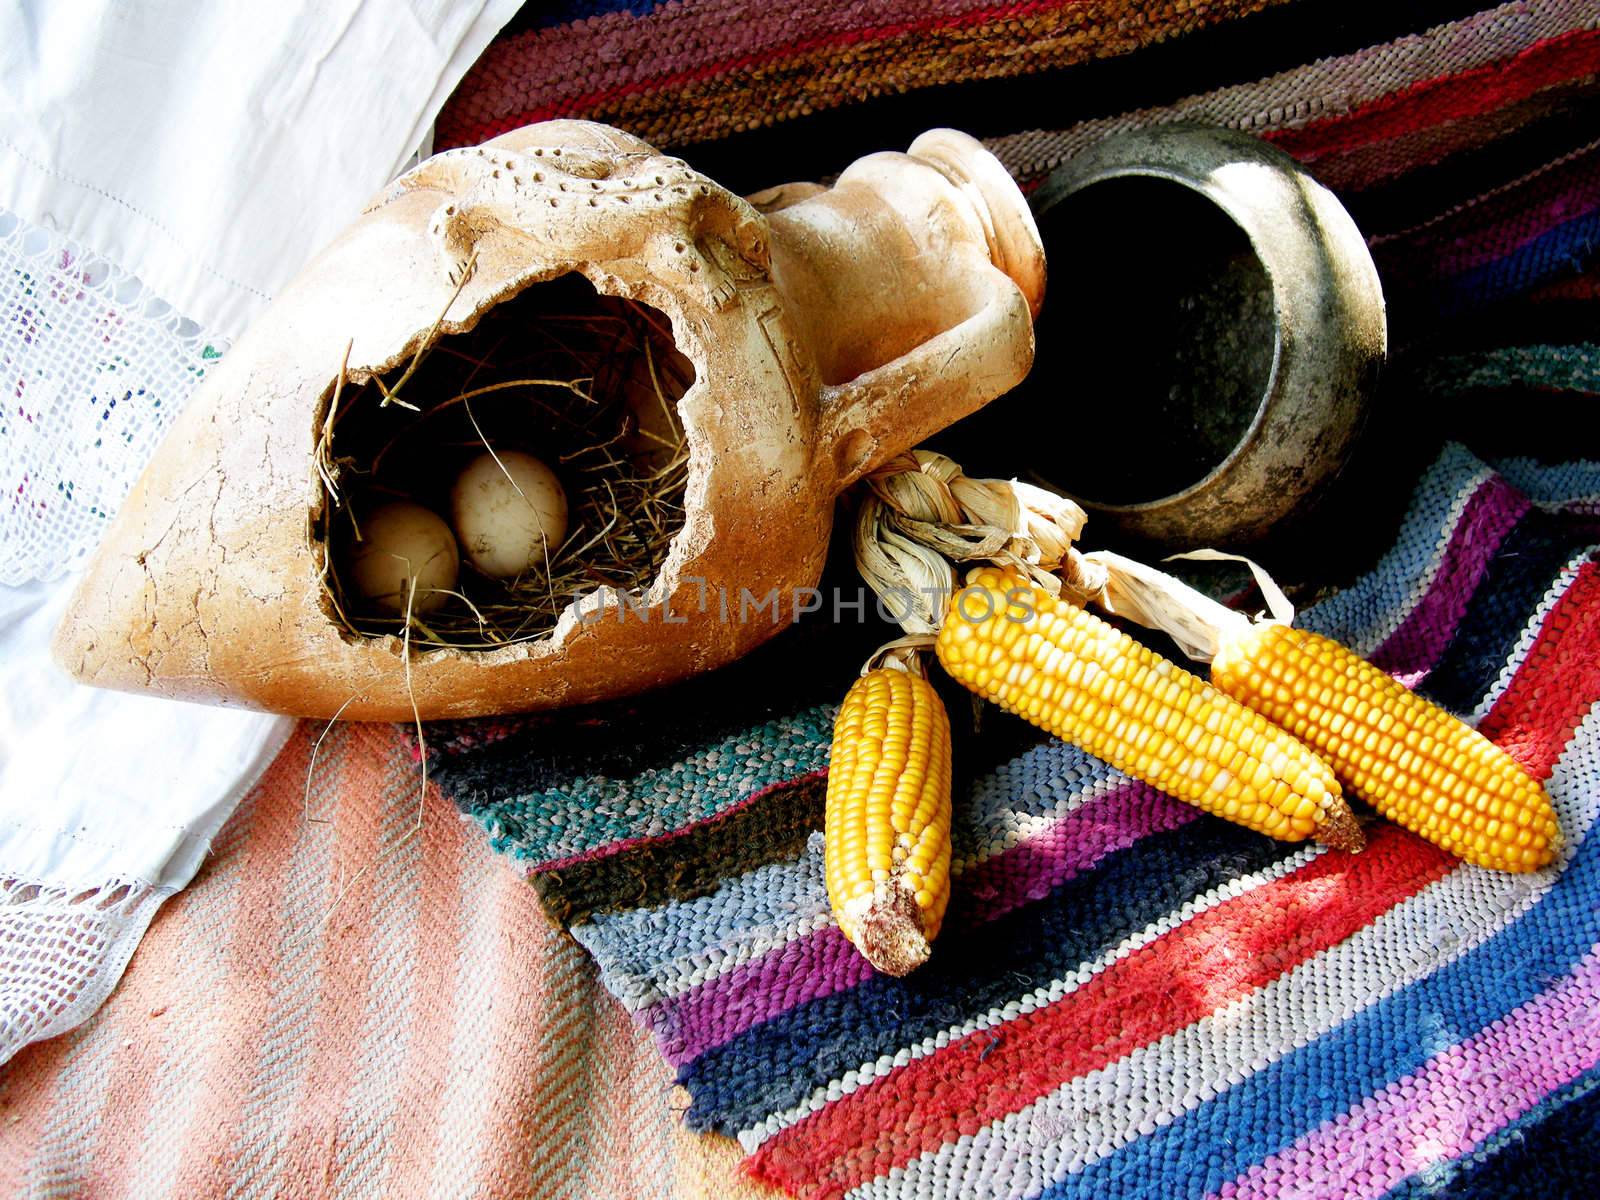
887 842
1412 761
1082 679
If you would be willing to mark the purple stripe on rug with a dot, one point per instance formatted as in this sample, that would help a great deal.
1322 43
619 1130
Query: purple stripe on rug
1413 649
1451 1104
823 963
625 50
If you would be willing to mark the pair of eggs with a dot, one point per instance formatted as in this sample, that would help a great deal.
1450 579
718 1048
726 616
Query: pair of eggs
509 512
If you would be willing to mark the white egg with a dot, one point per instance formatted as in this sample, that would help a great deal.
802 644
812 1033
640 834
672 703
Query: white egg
401 542
510 513
655 428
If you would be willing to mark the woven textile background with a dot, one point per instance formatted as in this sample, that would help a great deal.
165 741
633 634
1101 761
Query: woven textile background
342 1004
1128 998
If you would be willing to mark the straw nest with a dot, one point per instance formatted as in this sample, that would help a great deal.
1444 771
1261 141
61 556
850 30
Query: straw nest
587 383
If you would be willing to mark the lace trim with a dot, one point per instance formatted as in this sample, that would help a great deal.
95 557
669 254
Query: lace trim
93 367
62 950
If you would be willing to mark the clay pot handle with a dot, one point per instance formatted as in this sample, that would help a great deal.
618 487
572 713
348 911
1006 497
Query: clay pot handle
913 281
890 409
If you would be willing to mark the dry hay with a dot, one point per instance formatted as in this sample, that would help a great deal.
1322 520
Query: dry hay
587 383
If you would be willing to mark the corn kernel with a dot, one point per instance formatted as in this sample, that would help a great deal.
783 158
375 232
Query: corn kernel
1151 719
1408 758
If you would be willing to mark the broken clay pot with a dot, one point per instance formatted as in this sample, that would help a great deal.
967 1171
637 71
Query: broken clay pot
829 329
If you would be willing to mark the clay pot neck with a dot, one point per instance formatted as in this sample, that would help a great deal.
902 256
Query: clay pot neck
906 281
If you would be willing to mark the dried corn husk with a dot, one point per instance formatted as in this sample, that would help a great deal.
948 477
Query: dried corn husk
904 573
920 515
1154 599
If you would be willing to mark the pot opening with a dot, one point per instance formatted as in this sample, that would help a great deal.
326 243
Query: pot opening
476 491
1155 346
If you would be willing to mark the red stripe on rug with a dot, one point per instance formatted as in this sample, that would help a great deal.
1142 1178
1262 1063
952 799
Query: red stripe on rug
1182 977
1448 97
1558 682
1583 288
1379 163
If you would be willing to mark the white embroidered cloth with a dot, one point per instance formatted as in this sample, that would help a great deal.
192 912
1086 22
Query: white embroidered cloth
209 150
213 148
107 802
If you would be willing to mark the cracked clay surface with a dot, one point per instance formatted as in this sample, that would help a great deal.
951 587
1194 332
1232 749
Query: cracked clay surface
208 586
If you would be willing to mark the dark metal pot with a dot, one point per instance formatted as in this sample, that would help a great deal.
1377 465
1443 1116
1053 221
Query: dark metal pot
1275 376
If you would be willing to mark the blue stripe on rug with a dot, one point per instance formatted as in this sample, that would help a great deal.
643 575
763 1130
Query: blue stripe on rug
1564 250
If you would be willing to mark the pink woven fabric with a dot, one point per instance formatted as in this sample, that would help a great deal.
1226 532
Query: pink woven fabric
342 1004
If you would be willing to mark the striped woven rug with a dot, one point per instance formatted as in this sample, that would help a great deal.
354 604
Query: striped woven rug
795 89
1129 998
345 1004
